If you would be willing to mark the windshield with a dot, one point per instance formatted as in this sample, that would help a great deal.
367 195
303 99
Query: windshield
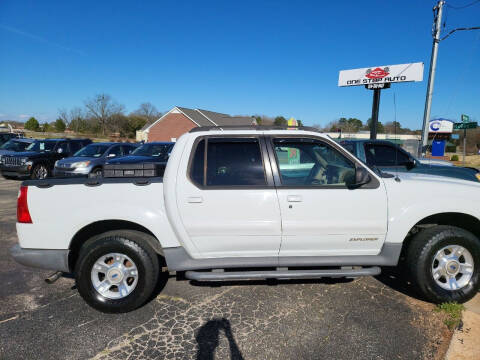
42 146
92 150
157 150
14 145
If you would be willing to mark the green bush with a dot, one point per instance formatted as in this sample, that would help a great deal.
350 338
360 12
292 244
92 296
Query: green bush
454 158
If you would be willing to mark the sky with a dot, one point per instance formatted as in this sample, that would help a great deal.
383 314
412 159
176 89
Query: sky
237 57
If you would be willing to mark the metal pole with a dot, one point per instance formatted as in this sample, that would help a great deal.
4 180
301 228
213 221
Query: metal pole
464 144
375 107
431 75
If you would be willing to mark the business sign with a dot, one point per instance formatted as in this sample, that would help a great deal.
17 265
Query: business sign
465 125
441 126
381 74
465 118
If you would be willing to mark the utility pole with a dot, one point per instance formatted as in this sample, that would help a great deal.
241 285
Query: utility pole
375 107
438 9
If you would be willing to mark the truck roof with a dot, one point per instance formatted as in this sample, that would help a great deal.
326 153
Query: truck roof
259 129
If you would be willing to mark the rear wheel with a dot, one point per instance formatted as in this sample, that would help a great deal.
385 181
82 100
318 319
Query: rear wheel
117 271
444 262
39 172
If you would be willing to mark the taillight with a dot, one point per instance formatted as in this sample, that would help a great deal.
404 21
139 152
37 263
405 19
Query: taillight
23 215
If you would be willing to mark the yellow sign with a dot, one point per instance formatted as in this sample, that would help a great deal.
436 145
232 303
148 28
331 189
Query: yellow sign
292 122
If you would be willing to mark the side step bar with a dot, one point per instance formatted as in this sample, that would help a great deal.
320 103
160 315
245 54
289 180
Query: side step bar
280 274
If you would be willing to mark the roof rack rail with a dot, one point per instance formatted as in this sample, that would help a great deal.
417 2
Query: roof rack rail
254 127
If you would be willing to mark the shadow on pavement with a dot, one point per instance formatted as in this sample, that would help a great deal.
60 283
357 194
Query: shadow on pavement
208 339
398 281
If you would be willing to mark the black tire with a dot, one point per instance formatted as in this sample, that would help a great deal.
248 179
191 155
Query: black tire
421 254
133 244
40 171
96 173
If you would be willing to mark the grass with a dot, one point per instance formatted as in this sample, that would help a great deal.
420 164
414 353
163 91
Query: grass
453 312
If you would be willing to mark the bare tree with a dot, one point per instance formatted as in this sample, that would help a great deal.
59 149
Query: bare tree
101 108
148 111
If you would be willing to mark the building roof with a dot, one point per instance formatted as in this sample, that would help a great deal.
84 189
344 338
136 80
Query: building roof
207 118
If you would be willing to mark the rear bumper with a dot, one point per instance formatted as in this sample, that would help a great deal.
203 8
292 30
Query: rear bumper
41 258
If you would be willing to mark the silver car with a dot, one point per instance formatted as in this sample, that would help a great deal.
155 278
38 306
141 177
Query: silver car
89 160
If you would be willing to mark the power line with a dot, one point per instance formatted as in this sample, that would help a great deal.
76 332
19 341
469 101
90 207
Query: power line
460 29
464 6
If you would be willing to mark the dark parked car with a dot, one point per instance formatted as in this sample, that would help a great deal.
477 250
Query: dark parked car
14 145
152 152
89 161
390 157
4 137
38 159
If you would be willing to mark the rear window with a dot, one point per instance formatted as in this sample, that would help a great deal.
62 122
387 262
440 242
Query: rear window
229 162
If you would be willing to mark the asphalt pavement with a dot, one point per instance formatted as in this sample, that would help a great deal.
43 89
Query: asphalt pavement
361 319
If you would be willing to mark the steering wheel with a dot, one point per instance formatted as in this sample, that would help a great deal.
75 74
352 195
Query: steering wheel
311 178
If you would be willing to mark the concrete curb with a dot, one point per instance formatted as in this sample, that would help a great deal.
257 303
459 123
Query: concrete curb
465 340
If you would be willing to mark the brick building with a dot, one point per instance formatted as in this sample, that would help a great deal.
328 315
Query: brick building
181 120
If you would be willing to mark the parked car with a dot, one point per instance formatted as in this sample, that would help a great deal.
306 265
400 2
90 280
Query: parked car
152 152
390 157
14 145
89 160
4 137
257 204
430 161
38 159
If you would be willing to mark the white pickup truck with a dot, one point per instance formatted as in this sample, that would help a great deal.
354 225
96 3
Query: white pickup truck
252 203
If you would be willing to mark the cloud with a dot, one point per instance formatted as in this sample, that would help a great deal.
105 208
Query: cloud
23 116
40 39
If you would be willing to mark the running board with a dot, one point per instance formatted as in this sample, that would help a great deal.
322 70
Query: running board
280 274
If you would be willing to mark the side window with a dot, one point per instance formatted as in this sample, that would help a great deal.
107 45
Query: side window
115 151
309 162
229 162
198 162
385 155
75 146
127 149
64 146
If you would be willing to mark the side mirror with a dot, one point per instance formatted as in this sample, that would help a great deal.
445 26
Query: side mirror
59 150
362 177
410 164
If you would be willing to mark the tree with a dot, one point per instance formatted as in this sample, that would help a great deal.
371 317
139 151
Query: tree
280 121
32 124
350 125
60 125
380 127
148 111
101 108
45 127
393 127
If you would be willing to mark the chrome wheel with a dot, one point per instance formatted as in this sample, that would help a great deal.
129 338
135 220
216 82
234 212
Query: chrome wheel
40 172
452 267
114 276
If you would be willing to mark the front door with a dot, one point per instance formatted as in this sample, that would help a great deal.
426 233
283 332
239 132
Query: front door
322 214
228 203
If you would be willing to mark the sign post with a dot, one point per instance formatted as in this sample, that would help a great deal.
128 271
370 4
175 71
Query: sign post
465 124
378 78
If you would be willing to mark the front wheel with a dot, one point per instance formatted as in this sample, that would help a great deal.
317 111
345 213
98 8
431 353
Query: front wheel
117 271
444 262
39 172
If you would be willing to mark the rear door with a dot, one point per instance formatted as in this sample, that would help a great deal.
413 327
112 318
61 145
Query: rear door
321 213
228 203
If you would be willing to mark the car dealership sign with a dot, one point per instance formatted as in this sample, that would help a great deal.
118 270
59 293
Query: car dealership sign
439 126
381 74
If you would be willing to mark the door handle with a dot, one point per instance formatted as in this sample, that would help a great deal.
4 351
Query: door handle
195 199
294 198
